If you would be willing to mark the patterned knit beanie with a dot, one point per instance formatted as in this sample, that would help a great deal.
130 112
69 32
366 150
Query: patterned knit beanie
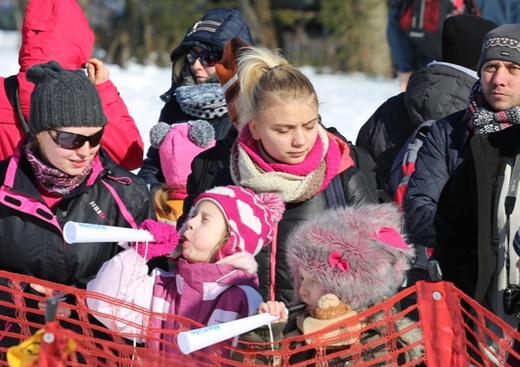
251 217
227 75
502 43
63 98
357 253
178 144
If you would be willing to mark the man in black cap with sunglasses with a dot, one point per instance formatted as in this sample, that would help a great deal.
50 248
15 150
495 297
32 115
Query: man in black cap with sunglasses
195 93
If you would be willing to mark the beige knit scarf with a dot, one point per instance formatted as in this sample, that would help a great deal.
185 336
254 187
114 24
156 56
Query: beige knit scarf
293 188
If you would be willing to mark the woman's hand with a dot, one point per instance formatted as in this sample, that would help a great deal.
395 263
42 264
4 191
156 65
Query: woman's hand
274 308
97 72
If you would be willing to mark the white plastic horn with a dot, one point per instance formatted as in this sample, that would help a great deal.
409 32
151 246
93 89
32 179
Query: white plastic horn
193 340
77 232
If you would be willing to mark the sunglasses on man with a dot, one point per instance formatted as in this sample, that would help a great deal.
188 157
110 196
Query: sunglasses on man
75 141
206 58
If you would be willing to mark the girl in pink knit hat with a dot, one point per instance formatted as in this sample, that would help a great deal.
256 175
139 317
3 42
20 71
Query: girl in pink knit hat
343 262
214 255
177 144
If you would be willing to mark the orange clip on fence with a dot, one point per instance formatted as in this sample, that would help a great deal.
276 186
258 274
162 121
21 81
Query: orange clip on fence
456 332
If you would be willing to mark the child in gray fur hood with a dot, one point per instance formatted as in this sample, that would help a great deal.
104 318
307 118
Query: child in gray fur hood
344 261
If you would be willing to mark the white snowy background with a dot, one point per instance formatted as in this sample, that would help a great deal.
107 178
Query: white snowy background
347 101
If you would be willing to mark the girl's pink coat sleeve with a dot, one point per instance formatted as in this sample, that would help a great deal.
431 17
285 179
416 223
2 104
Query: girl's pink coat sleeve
124 277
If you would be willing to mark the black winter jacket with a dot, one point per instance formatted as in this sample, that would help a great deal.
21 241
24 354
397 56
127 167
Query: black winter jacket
444 148
466 226
433 92
31 238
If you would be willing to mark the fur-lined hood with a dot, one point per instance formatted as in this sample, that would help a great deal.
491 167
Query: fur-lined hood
357 253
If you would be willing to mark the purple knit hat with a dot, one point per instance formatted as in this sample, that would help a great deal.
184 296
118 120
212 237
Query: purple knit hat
357 253
251 217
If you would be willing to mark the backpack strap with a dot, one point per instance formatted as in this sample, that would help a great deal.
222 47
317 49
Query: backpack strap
11 90
334 193
409 159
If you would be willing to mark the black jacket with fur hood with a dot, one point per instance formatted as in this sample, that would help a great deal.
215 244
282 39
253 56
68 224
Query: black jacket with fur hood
211 32
432 93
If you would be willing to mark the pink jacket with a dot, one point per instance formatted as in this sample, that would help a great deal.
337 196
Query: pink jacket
207 293
59 30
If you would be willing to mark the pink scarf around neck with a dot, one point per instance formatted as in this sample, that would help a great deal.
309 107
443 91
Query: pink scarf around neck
316 156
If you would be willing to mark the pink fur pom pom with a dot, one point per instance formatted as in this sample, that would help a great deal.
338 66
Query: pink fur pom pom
165 235
275 204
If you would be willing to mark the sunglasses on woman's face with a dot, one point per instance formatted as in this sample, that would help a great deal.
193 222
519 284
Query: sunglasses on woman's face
75 141
207 58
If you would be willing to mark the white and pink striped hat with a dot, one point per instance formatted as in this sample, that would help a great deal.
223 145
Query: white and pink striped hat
251 217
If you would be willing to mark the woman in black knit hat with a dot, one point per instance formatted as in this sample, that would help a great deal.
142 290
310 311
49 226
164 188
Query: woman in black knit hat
59 173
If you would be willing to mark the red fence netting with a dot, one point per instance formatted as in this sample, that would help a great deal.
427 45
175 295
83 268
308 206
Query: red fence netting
456 332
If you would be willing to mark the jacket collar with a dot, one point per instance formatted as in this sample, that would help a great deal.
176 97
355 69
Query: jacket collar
203 276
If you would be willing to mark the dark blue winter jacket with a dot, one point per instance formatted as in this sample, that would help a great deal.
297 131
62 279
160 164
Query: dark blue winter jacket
443 150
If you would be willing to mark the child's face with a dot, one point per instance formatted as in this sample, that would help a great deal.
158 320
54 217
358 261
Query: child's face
203 233
311 289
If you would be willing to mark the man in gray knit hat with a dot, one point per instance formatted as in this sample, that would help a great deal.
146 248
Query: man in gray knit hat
477 217
499 70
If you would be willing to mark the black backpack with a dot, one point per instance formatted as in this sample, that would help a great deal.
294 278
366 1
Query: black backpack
422 21
11 90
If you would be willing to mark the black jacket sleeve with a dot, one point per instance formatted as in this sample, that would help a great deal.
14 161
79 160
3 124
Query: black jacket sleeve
151 171
356 187
456 227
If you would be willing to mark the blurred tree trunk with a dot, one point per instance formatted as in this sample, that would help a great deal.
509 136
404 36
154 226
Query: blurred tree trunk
148 35
355 36
260 20
120 49
373 56
84 5
19 12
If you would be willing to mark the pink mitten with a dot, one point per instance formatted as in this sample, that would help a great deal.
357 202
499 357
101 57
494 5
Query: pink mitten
165 235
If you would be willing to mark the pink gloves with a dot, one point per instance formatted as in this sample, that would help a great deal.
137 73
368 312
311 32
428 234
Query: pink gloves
166 239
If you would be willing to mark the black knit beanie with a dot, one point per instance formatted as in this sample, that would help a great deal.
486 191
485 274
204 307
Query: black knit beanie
502 43
462 38
62 98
